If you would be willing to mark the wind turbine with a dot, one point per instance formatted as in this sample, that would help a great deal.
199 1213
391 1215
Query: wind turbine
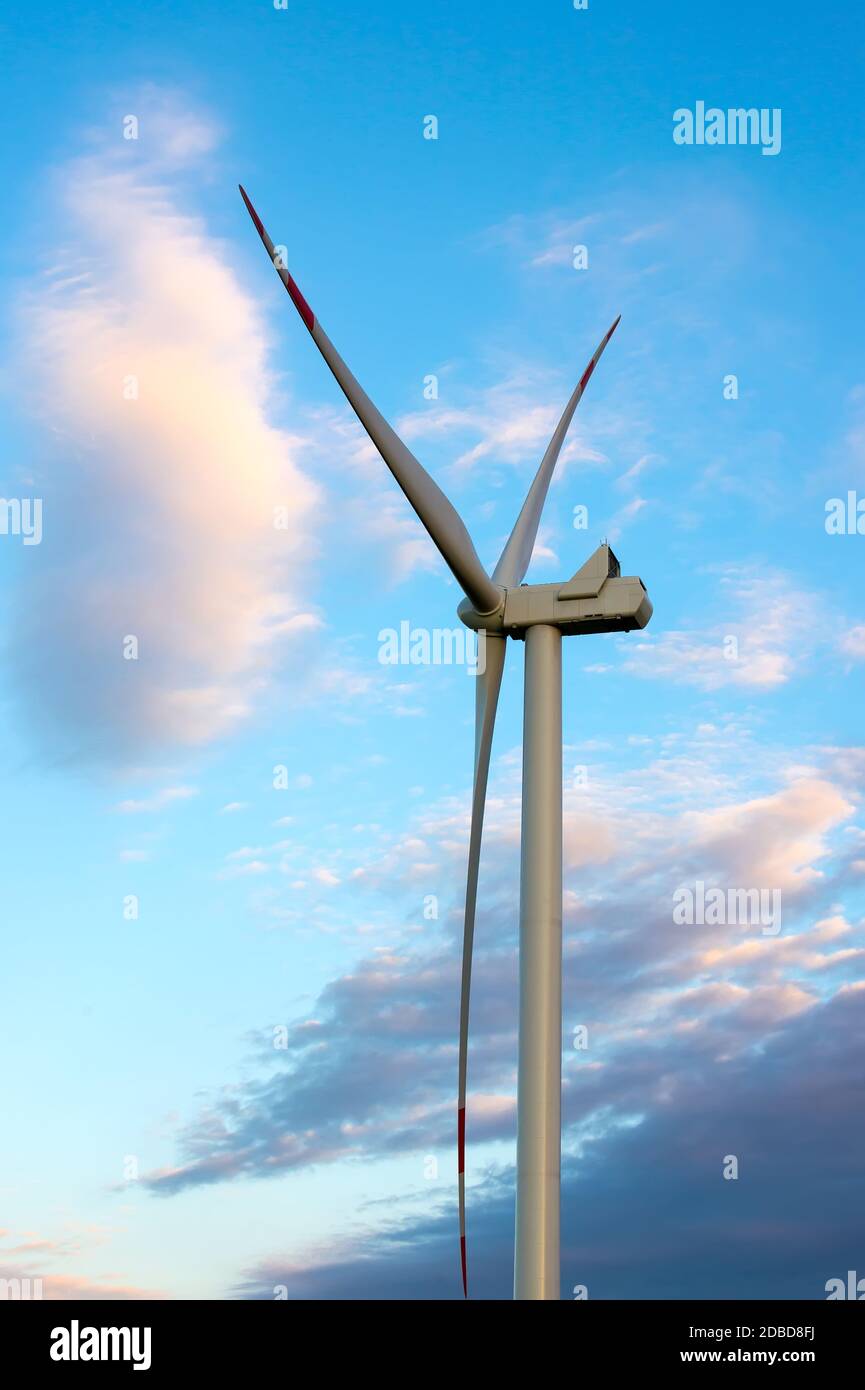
595 599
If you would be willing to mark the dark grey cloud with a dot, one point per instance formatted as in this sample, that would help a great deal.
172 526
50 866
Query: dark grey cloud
646 1210
373 1073
704 1041
381 1050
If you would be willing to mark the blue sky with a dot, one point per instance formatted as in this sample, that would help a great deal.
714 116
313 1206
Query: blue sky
162 399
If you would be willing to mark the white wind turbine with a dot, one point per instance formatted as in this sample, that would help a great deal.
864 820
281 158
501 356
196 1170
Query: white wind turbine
596 599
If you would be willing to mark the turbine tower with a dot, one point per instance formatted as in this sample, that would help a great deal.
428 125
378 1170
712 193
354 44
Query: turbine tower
595 599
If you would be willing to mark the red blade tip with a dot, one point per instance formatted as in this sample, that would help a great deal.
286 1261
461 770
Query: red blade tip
259 225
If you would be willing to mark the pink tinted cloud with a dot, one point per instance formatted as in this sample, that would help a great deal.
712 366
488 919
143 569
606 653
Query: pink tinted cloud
163 473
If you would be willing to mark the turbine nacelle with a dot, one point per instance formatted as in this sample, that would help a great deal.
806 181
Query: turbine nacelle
595 599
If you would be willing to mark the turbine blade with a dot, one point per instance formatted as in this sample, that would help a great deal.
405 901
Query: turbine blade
515 557
440 519
486 702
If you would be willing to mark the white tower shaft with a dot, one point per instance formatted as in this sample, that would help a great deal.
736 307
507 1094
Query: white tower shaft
539 1086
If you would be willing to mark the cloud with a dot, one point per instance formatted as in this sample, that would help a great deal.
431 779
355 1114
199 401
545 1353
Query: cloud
144 361
35 1267
624 516
180 134
512 425
326 877
245 870
773 840
646 1210
645 233
371 1071
771 629
630 476
852 643
544 241
158 801
69 1287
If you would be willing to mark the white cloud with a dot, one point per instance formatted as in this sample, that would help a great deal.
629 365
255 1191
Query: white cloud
158 801
636 469
772 628
623 516
775 840
244 869
325 876
511 423
146 359
852 643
